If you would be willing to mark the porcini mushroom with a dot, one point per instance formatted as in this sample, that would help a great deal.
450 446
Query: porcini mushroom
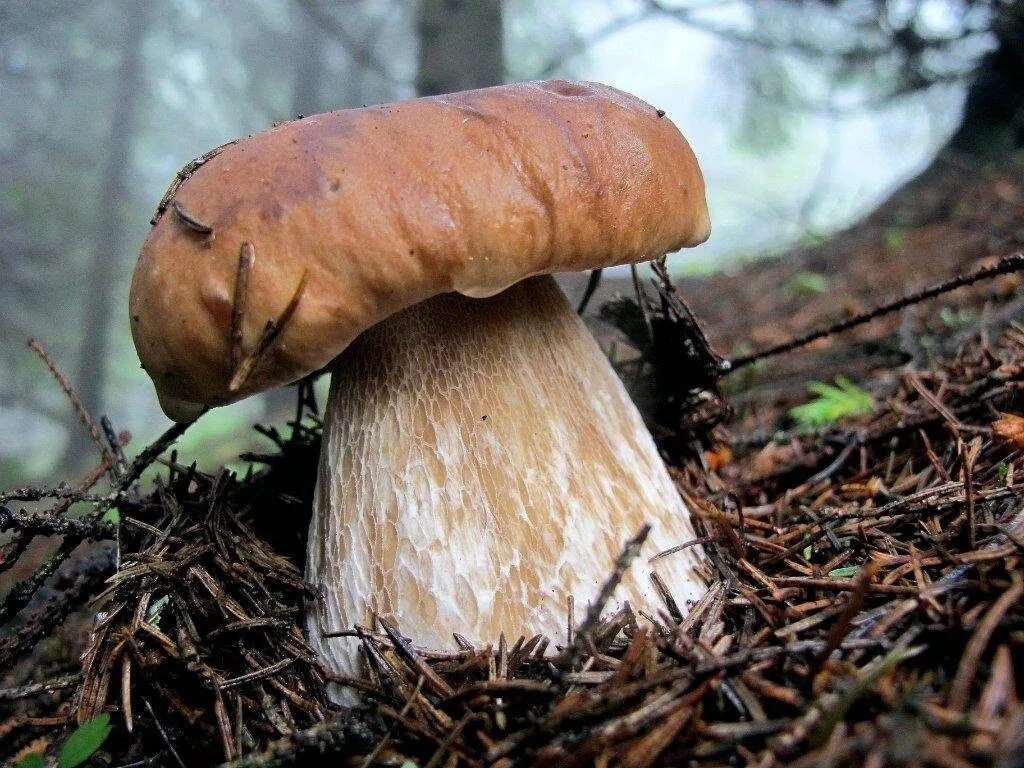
481 461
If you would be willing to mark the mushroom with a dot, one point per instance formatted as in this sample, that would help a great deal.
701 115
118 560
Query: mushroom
481 461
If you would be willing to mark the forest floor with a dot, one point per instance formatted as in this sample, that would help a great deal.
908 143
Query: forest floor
867 599
950 222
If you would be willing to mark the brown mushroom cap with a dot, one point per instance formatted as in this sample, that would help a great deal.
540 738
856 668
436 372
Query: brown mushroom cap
375 209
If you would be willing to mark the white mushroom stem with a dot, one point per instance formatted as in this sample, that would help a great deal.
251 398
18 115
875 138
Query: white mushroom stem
482 462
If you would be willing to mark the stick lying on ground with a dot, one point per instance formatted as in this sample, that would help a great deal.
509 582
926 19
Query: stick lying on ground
1007 264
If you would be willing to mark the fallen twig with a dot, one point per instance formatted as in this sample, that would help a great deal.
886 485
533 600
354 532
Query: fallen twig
1013 263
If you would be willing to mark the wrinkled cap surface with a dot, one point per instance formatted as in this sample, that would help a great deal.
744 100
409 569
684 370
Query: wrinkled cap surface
353 215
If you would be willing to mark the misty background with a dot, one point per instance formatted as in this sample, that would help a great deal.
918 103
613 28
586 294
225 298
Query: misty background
805 115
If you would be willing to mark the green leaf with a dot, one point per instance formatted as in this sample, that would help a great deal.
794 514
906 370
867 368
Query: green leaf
833 403
31 761
808 551
844 573
112 516
85 740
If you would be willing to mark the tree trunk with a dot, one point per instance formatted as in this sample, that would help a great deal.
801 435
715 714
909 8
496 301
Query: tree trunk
102 275
461 45
993 119
991 129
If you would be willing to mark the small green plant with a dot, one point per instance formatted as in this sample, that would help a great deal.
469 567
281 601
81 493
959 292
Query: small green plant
807 283
895 240
833 402
956 319
79 746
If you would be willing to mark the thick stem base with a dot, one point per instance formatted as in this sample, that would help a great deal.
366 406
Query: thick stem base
481 463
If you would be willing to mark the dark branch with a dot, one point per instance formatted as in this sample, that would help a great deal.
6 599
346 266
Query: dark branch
1014 263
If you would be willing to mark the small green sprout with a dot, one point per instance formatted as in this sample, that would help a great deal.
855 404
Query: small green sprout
833 402
807 283
956 319
895 240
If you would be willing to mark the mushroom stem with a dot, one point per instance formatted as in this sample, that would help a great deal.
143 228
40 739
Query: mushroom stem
481 463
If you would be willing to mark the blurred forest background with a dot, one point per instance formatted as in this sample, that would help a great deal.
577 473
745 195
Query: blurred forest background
806 116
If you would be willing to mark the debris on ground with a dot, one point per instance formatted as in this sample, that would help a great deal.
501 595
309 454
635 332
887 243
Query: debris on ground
868 606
